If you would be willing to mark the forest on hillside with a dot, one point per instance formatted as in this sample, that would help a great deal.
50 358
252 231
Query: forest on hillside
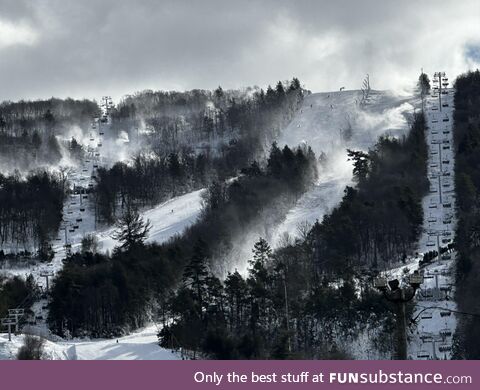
236 130
101 295
312 298
467 187
30 131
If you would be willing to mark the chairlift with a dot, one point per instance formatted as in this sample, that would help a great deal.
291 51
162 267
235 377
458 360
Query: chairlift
101 133
423 355
445 313
447 205
434 108
432 206
82 209
78 220
425 338
446 162
434 120
446 119
446 148
446 131
431 243
445 348
445 332
427 315
444 104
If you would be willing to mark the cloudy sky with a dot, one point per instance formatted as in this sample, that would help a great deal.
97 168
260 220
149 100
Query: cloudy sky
90 48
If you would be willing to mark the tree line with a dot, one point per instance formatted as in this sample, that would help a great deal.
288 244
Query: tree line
467 236
379 220
30 210
250 120
207 120
29 131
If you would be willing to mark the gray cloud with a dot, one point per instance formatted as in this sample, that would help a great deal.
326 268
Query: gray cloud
89 48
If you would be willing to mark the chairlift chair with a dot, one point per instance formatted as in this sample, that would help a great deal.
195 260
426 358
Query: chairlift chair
445 348
423 355
426 315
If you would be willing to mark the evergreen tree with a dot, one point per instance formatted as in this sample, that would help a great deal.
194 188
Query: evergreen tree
131 230
196 272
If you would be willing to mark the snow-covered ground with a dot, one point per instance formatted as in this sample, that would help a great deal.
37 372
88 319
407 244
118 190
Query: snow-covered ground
167 220
140 345
323 123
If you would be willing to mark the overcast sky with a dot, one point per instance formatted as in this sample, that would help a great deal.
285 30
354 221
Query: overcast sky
90 48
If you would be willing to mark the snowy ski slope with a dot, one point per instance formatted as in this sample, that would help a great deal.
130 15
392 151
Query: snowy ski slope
319 124
140 345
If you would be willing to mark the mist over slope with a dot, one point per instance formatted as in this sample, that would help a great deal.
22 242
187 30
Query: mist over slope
330 123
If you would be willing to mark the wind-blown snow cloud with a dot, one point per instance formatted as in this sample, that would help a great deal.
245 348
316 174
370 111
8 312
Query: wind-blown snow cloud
89 48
